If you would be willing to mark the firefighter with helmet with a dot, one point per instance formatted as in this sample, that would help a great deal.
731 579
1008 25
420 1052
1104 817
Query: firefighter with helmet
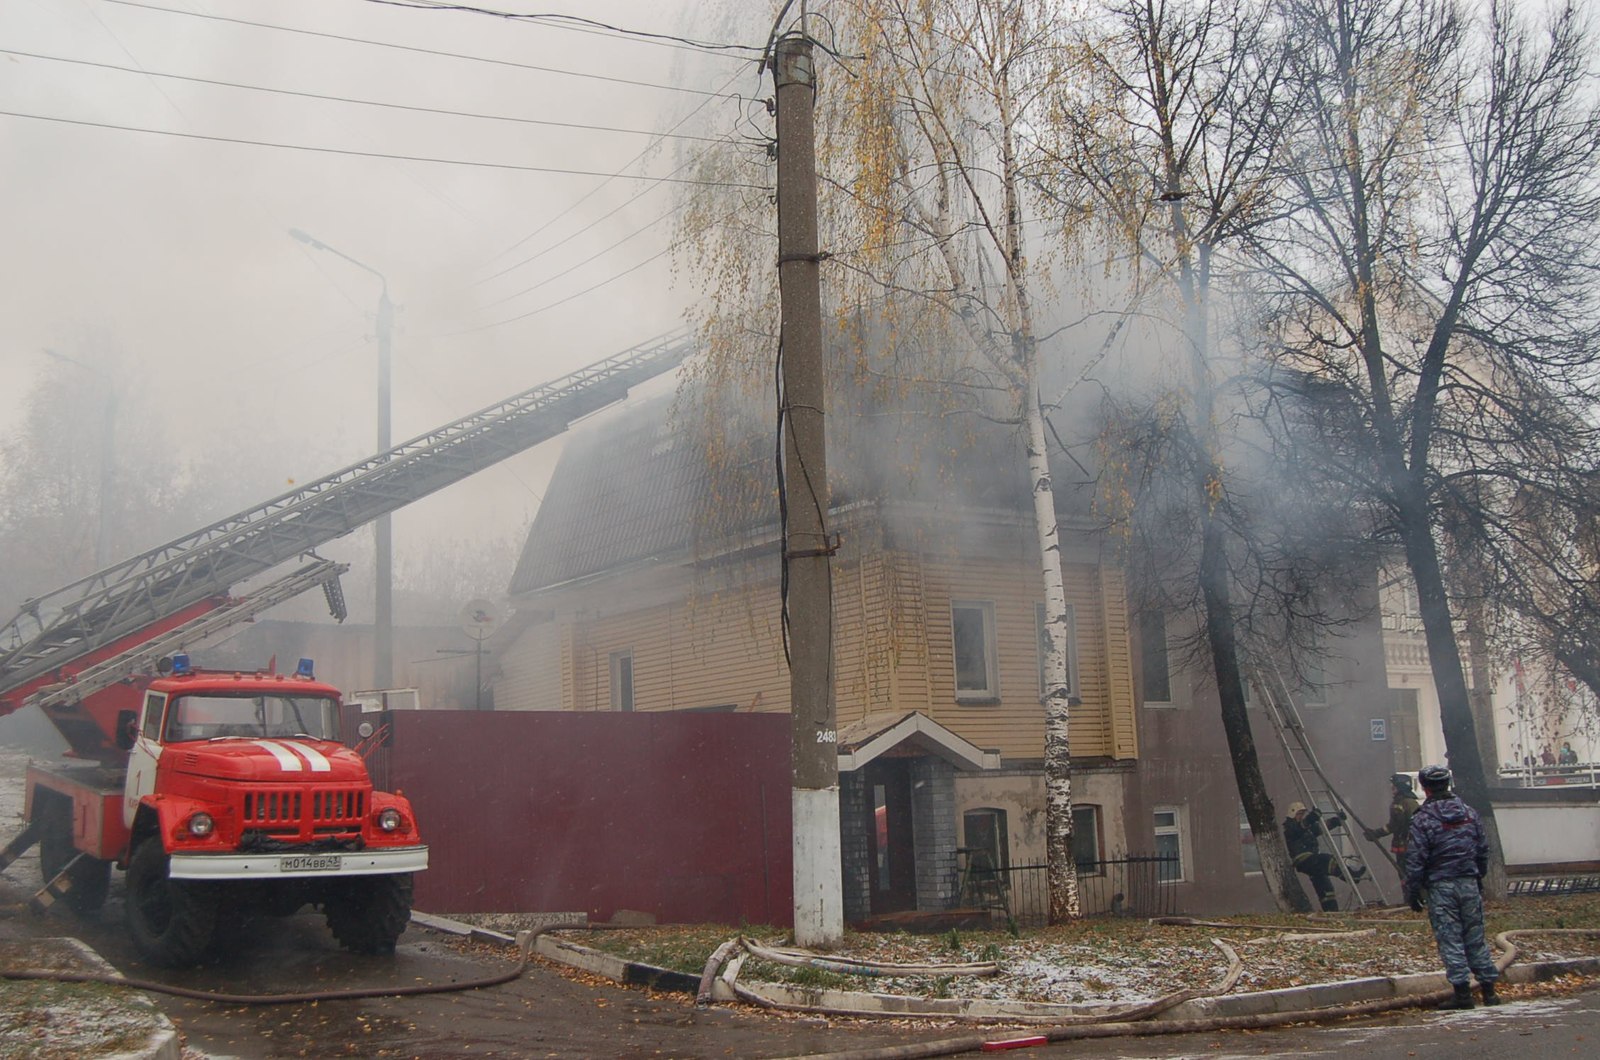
1401 806
1302 834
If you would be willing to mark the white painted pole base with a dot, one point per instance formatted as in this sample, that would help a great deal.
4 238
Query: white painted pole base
818 877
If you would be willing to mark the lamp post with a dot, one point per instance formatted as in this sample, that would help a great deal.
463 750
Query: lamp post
383 620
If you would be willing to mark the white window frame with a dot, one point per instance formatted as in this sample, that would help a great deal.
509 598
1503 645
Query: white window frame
1073 688
1176 830
990 693
1248 838
620 661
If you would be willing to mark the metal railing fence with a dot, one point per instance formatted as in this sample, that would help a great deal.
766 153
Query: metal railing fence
1137 885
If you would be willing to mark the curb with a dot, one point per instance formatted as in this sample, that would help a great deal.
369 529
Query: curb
1264 1002
161 1043
1355 991
633 973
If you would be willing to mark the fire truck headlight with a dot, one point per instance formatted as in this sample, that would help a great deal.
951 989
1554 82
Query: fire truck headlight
389 820
201 824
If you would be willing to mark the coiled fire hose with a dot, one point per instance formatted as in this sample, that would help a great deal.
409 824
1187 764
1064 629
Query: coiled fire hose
1120 1025
525 940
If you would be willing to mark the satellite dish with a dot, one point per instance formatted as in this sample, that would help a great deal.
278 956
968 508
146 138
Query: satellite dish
481 617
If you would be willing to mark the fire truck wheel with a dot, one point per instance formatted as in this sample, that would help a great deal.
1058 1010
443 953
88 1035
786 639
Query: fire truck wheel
368 913
90 877
170 921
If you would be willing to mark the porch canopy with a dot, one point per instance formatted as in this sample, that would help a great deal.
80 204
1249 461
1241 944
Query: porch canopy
876 734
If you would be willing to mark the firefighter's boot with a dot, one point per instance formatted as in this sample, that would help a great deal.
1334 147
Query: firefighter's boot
1461 999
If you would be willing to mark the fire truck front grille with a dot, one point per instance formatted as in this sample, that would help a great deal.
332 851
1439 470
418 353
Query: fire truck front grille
337 806
318 808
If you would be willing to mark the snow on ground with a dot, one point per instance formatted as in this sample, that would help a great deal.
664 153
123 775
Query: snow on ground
12 766
13 770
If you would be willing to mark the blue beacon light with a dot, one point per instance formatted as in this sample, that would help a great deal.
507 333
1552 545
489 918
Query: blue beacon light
304 669
180 665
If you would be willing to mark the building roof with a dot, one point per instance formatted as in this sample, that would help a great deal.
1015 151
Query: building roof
622 491
637 485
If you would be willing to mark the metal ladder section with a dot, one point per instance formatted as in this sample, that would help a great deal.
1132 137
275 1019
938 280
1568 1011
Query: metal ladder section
982 886
127 597
62 702
1304 768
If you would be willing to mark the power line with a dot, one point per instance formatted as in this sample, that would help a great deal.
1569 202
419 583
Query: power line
575 23
359 102
594 191
578 232
577 294
568 269
414 49
368 154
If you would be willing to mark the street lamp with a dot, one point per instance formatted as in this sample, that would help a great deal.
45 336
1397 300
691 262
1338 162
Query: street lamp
383 622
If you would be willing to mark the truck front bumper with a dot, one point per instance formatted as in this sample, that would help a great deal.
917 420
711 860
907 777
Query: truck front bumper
292 866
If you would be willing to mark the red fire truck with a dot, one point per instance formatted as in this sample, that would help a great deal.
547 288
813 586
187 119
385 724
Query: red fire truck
228 792
237 798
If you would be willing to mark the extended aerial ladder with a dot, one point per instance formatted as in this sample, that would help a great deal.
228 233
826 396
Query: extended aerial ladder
87 635
1311 782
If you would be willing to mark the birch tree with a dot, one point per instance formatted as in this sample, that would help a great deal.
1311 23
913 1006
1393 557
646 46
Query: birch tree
1439 259
929 187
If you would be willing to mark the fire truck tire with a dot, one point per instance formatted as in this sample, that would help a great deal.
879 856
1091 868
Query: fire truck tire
368 913
171 921
91 877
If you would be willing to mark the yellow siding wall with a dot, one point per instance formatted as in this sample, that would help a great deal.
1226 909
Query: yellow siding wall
880 637
1118 648
711 650
893 651
530 670
1015 725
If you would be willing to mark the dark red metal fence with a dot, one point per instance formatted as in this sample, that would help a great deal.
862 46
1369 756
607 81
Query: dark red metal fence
680 815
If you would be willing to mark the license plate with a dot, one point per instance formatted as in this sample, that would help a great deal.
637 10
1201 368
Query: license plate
311 863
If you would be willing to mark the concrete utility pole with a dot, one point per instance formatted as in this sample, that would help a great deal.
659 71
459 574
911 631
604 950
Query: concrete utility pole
383 601
818 889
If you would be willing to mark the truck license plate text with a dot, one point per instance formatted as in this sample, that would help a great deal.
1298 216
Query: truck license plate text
311 862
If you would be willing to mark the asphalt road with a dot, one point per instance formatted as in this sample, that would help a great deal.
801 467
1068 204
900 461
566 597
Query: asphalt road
1536 1029
546 1013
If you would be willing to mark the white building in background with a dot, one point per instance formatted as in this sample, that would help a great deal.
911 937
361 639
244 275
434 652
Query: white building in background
1532 712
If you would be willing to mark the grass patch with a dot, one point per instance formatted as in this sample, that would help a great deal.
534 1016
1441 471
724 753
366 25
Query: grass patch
1116 959
66 1021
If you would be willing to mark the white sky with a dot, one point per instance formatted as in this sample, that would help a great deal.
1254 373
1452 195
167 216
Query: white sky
180 248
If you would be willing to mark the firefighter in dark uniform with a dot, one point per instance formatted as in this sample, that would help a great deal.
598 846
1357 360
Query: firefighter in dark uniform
1401 807
1302 833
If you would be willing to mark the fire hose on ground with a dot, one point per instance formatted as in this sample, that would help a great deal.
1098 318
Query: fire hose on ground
801 958
525 941
1126 1024
1128 1020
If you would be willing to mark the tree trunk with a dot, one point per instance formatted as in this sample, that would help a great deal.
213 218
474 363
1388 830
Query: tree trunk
1275 863
1482 699
1444 658
1063 867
